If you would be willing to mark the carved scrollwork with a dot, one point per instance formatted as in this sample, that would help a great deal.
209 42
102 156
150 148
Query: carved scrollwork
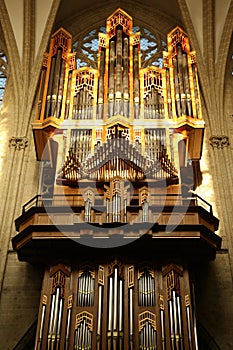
219 141
18 143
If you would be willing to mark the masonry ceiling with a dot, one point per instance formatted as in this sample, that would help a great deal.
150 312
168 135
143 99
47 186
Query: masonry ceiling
78 16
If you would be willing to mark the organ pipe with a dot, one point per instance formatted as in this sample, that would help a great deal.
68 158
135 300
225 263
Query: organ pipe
119 64
56 81
49 93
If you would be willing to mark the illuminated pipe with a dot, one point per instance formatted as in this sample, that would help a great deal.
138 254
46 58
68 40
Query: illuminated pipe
68 95
195 89
177 89
58 336
189 326
186 84
121 307
55 311
111 78
68 329
126 76
101 77
171 324
175 314
110 304
162 328
169 101
115 301
99 311
42 323
119 64
181 80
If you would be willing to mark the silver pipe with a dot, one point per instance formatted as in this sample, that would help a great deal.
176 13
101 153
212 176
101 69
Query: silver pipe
121 306
119 64
55 311
181 80
115 300
131 311
171 324
99 311
58 336
68 95
175 313
51 314
80 291
101 78
189 326
42 322
110 304
79 337
68 328
177 88
186 83
169 101
195 89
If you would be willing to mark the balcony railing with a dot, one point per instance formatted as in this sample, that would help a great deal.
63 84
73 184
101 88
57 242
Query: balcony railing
76 200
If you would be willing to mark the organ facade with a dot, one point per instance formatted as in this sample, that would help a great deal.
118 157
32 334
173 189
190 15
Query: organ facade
117 224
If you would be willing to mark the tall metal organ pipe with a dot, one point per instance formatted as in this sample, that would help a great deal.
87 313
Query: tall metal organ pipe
136 81
111 78
126 75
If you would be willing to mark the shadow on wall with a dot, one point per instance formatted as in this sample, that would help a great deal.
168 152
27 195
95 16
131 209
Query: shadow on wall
27 342
205 341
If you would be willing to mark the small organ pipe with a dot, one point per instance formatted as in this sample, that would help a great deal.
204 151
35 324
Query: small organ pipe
42 322
162 328
68 95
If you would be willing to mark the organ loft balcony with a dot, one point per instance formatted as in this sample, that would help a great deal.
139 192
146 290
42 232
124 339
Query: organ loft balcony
66 225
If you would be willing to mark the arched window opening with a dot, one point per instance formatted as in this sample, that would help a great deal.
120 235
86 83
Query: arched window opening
3 75
152 46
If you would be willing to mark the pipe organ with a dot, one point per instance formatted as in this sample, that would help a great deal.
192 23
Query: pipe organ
119 145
